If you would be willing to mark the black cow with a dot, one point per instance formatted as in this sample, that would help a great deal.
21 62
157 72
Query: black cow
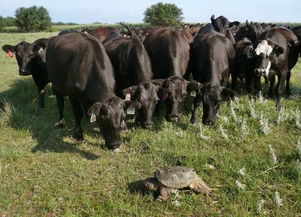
297 31
79 67
133 73
210 64
244 67
169 53
30 61
274 53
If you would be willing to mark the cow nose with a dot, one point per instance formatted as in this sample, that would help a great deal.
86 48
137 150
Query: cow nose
258 72
174 118
148 125
208 122
23 71
114 145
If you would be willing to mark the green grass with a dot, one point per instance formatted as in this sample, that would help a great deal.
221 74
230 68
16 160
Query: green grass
44 172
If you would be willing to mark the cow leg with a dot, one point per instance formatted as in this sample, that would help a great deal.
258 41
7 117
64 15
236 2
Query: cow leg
78 114
196 105
41 93
257 84
60 107
234 84
271 89
280 83
288 88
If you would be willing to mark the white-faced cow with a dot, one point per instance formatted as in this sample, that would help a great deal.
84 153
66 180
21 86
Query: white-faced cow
275 53
79 68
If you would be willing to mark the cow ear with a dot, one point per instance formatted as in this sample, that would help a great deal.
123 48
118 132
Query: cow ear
194 86
234 23
98 109
227 94
212 18
127 93
41 43
9 49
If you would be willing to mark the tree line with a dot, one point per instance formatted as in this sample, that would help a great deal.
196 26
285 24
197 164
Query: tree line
35 18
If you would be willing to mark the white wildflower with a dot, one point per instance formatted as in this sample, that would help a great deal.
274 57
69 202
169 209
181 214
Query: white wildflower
244 126
264 124
252 109
242 171
233 113
260 97
298 166
240 185
225 119
180 134
274 157
209 166
297 118
176 203
202 131
223 133
299 147
282 116
260 206
278 200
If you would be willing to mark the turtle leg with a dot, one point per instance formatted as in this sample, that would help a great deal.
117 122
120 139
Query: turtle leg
200 186
164 193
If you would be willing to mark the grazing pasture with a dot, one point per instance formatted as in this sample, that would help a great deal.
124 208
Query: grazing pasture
251 157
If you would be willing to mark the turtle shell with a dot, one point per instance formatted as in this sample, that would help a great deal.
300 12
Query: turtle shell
176 177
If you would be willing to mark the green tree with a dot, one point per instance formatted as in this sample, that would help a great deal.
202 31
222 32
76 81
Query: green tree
1 23
163 15
32 19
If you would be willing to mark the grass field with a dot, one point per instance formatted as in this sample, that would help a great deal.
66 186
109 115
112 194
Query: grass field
44 172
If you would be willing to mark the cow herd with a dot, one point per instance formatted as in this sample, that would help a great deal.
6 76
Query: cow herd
109 75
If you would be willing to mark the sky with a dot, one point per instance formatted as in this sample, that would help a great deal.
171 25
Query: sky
131 11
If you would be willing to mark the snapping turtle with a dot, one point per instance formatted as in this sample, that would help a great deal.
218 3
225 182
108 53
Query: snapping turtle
169 179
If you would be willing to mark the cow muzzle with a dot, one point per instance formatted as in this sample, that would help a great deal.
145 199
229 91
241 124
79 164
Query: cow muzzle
24 72
173 118
261 72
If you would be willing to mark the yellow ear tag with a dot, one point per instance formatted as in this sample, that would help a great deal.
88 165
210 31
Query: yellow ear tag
193 93
130 110
92 118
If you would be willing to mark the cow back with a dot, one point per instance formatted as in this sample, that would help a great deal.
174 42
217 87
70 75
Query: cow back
79 66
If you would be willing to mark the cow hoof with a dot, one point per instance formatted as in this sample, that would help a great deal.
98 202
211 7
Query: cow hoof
117 150
78 135
59 125
192 121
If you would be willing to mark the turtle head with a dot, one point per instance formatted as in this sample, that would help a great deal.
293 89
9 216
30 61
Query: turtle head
151 184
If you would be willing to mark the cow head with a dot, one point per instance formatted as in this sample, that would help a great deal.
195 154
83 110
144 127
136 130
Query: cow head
265 52
26 54
148 95
221 23
178 90
244 55
110 116
212 96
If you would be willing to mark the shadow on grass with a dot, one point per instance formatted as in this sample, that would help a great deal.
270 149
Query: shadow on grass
19 103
